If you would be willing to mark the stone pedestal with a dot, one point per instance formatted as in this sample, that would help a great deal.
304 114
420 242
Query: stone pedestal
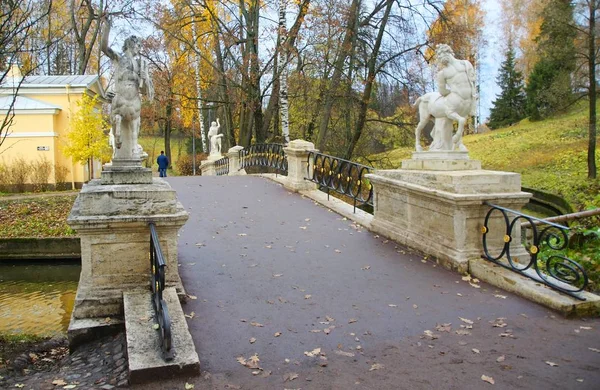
207 167
126 171
297 153
112 222
234 161
441 212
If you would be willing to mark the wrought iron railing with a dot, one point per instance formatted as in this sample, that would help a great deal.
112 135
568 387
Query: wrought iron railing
222 166
344 177
157 283
544 242
266 156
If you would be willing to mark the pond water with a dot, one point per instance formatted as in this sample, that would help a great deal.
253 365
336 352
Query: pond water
37 298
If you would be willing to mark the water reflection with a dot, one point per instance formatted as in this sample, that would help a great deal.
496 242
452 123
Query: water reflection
37 298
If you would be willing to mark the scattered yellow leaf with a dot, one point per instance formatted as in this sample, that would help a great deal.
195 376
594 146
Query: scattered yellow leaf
188 386
376 366
277 334
252 340
551 364
257 324
487 379
59 382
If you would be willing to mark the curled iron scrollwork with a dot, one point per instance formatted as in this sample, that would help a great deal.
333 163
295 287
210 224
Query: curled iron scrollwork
266 156
543 242
344 177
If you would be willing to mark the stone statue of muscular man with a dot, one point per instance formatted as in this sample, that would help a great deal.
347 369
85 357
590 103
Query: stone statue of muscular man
131 79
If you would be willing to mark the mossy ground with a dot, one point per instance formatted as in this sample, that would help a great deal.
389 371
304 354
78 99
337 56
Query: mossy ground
36 217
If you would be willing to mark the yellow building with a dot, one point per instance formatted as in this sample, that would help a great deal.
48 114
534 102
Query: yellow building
42 110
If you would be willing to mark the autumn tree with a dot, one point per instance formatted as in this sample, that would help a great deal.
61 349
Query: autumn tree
87 138
509 107
549 86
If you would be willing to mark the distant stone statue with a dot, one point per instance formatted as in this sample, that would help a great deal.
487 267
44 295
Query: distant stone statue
215 138
455 101
131 78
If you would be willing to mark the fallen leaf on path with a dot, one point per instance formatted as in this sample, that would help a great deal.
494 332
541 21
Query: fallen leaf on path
352 320
323 361
366 267
463 332
338 251
430 334
391 305
188 386
243 320
594 350
376 366
444 327
282 300
191 315
475 350
307 296
500 359
242 234
257 324
69 386
551 364
200 244
306 219
268 246
328 330
459 294
303 227
343 353
155 326
500 296
466 278
475 285
313 353
330 319
466 320
579 380
277 275
415 307
192 297
59 382
315 330
290 376
253 361
277 334
266 374
252 340
19 385
487 379
585 327
107 320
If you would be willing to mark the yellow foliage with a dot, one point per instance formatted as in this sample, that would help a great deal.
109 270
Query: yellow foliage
460 26
87 137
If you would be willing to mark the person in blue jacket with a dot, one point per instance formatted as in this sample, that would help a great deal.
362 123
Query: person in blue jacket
163 164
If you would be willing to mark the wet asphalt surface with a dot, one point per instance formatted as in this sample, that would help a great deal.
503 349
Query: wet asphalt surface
271 265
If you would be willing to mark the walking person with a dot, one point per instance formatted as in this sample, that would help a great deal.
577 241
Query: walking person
163 164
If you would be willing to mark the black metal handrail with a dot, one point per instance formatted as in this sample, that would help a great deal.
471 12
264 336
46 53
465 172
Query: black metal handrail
342 176
555 270
222 166
157 285
266 156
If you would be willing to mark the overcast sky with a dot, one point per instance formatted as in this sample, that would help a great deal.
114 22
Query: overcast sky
492 58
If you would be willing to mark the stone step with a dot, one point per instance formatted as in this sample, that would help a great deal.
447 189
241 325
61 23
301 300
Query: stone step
534 291
143 348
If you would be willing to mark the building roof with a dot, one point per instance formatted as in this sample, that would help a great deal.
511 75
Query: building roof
25 103
43 82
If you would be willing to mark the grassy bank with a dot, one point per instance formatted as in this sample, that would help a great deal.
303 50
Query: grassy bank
36 217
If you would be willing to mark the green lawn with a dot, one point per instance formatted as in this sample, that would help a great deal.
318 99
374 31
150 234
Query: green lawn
36 217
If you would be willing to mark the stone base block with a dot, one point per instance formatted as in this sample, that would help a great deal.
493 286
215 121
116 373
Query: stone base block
298 186
138 176
143 345
84 330
534 291
441 165
442 213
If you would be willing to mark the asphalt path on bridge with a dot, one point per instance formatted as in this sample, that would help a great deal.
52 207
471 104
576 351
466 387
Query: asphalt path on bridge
277 276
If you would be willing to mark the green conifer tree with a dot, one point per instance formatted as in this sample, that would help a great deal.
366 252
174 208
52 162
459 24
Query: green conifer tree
509 107
549 85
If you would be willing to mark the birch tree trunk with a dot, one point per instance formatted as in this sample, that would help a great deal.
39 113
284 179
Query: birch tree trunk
198 89
283 88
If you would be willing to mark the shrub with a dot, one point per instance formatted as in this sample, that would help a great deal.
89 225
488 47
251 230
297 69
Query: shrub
184 164
41 170
19 171
60 177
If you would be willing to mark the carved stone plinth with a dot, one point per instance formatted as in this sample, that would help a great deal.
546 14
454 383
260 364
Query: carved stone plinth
112 222
441 212
126 171
299 166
